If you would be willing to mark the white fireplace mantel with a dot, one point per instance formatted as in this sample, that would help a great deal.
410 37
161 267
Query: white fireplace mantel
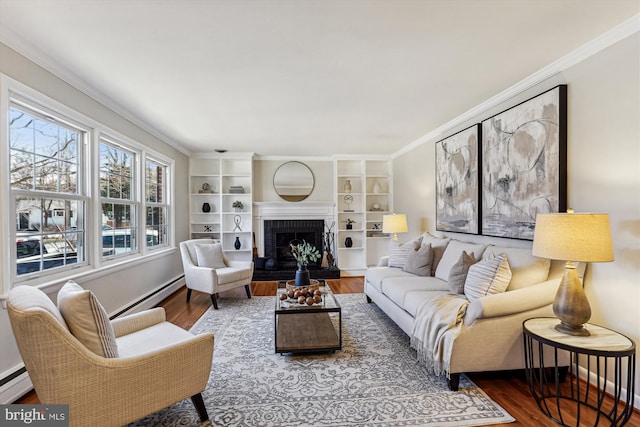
288 210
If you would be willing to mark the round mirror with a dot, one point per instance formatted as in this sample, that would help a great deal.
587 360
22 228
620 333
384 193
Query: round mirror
293 181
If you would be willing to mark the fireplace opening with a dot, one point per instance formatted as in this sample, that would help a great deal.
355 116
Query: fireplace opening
279 233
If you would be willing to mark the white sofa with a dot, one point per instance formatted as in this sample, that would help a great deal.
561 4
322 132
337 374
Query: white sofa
491 339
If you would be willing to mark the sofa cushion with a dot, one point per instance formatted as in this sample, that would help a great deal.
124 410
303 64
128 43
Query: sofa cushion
526 269
413 300
400 254
396 288
210 255
458 273
376 275
438 245
419 261
452 255
487 277
87 319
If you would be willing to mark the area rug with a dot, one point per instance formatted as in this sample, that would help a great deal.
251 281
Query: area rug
375 380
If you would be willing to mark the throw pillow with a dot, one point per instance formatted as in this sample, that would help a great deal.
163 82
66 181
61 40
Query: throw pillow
487 277
87 319
419 261
458 273
438 245
452 254
400 254
210 255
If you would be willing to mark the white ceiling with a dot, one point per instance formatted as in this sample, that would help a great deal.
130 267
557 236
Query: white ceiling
300 78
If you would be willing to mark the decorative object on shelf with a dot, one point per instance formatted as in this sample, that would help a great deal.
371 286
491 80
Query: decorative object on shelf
348 199
524 165
304 253
377 188
206 207
394 223
376 226
237 220
237 244
457 190
293 181
347 186
238 205
206 189
583 237
348 242
207 228
236 189
350 223
376 207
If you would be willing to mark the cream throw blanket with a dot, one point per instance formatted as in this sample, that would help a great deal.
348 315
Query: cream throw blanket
437 324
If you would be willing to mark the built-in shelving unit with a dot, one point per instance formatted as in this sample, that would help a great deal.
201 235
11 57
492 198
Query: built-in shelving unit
363 195
217 181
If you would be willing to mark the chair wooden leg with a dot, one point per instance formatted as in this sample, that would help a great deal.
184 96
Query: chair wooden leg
188 294
198 402
214 300
248 289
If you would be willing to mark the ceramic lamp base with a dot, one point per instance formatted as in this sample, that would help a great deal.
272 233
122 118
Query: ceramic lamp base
571 305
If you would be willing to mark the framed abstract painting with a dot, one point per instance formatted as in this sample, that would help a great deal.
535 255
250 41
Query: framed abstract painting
524 165
457 187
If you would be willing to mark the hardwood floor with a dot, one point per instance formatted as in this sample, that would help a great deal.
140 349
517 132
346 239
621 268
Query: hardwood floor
508 389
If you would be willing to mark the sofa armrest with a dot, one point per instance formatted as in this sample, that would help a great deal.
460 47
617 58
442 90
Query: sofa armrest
137 321
383 261
512 302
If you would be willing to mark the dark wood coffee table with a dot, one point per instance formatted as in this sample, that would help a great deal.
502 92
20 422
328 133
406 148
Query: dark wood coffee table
300 328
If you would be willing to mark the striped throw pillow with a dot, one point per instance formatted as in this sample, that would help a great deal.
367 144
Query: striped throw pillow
487 277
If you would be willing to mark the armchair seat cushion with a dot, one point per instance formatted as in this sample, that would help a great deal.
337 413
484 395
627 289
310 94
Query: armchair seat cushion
153 338
232 274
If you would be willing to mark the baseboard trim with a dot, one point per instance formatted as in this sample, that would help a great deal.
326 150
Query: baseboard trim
15 385
150 299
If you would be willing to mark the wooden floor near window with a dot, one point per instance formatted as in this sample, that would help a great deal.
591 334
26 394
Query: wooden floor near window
508 389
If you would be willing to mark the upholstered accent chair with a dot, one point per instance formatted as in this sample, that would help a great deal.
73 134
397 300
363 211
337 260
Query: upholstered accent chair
206 269
149 363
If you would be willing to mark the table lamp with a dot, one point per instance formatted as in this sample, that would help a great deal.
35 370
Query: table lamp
584 237
394 223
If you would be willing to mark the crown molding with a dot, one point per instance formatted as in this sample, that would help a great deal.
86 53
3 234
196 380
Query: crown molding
614 35
42 59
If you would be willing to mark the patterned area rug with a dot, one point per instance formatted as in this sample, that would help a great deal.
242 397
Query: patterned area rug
375 380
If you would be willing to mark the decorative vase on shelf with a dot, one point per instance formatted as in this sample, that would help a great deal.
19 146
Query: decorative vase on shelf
348 242
206 207
303 276
347 186
349 226
377 188
237 244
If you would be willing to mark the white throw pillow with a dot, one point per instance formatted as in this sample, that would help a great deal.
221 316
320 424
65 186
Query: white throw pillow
526 269
487 277
210 255
400 254
438 245
87 319
452 253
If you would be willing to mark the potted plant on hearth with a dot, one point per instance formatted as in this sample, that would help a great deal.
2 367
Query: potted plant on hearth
238 206
350 223
304 253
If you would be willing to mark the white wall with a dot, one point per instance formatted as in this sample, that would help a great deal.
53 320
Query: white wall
603 175
115 289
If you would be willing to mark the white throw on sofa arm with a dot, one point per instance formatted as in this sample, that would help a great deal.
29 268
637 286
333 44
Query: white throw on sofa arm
512 302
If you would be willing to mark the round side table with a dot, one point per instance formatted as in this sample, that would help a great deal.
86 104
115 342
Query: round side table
604 351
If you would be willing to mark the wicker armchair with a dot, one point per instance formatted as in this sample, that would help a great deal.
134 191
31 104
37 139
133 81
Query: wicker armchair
158 363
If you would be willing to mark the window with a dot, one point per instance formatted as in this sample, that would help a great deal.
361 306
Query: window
157 207
117 198
45 153
74 194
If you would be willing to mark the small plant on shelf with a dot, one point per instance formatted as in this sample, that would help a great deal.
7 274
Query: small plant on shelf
350 223
238 205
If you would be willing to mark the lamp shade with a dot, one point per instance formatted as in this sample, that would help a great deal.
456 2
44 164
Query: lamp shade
395 223
584 237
